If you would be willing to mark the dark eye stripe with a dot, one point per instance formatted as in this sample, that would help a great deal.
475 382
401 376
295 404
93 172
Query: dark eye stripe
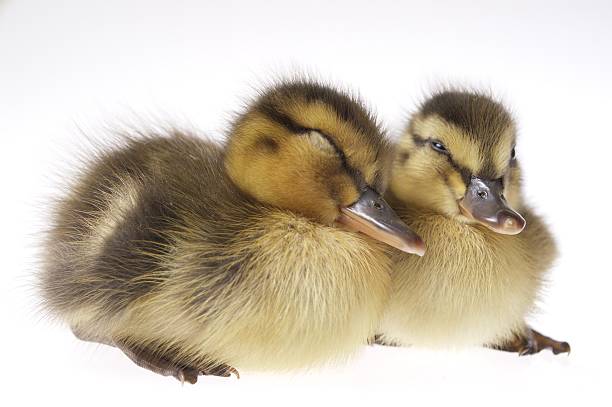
286 121
465 173
294 127
354 172
439 147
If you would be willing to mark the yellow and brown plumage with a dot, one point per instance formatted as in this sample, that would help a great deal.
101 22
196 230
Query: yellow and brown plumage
456 182
195 258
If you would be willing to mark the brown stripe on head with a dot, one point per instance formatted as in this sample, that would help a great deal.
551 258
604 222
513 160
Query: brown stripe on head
309 148
303 106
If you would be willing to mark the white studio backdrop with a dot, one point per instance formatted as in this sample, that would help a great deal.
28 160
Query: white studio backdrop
70 68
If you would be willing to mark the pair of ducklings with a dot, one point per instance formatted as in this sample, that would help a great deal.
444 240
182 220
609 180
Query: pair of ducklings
276 250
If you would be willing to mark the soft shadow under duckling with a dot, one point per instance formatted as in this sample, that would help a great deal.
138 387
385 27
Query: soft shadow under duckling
195 258
456 182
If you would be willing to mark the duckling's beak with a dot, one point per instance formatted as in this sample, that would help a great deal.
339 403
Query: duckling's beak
485 203
374 217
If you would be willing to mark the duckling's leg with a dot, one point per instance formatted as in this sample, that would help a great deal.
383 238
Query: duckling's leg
379 339
530 342
167 367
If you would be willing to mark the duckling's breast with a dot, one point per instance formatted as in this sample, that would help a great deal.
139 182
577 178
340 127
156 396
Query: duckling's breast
472 287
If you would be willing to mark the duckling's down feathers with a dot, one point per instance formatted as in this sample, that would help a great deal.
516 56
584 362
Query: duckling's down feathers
155 245
474 287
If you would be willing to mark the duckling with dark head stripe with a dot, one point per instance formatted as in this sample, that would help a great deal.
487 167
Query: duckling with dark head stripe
195 258
456 182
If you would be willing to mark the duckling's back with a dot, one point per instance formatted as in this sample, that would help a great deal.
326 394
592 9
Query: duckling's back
114 223
155 246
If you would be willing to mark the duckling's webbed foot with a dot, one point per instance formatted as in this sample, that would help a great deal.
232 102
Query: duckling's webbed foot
531 341
165 366
158 363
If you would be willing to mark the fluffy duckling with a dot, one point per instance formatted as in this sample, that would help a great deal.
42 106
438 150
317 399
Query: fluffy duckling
196 258
456 181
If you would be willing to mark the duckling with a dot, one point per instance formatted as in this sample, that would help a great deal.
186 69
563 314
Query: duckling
456 181
263 252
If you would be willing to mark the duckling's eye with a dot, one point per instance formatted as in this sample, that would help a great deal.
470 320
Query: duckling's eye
513 154
439 147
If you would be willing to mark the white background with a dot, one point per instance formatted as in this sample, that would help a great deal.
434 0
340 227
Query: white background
72 66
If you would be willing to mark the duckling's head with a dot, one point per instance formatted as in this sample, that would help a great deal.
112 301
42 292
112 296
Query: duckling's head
316 151
457 157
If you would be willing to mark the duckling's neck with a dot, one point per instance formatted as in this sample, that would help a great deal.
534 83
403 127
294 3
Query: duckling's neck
413 212
410 209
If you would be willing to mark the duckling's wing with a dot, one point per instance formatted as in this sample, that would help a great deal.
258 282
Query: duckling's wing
112 231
